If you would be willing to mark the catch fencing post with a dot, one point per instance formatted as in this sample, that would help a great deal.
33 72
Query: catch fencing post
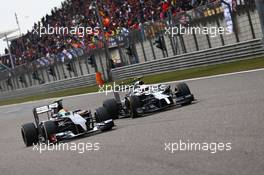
260 7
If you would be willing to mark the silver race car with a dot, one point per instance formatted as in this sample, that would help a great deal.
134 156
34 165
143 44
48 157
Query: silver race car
62 124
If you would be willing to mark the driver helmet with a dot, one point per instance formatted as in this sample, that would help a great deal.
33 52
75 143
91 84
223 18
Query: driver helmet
141 83
62 113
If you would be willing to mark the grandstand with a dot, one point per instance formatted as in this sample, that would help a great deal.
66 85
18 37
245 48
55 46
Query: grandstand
116 16
134 31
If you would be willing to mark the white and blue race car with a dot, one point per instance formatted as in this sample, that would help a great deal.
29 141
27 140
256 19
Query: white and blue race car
143 99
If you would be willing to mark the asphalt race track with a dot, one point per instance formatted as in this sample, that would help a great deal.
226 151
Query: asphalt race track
229 109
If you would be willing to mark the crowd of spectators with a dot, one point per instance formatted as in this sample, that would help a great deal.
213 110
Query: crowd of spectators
117 16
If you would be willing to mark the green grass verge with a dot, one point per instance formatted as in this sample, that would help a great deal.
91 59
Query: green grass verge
156 78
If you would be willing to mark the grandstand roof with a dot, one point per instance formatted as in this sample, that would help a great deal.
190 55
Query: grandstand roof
6 33
11 38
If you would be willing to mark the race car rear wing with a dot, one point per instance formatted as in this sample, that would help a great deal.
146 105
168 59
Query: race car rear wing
54 107
48 108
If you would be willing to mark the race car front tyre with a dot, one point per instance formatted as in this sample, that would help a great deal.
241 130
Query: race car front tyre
29 134
112 107
49 128
134 103
182 90
101 114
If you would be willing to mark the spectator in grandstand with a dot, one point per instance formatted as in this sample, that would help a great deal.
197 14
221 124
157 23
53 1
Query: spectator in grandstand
117 16
6 51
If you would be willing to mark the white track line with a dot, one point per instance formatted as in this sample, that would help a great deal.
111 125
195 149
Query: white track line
191 79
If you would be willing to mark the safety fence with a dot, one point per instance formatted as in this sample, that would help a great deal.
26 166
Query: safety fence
242 50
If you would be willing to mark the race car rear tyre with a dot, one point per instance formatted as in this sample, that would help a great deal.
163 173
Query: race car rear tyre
134 103
108 126
29 134
112 107
182 91
101 114
49 128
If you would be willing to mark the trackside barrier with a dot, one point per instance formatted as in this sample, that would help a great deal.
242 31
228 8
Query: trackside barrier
87 80
228 53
